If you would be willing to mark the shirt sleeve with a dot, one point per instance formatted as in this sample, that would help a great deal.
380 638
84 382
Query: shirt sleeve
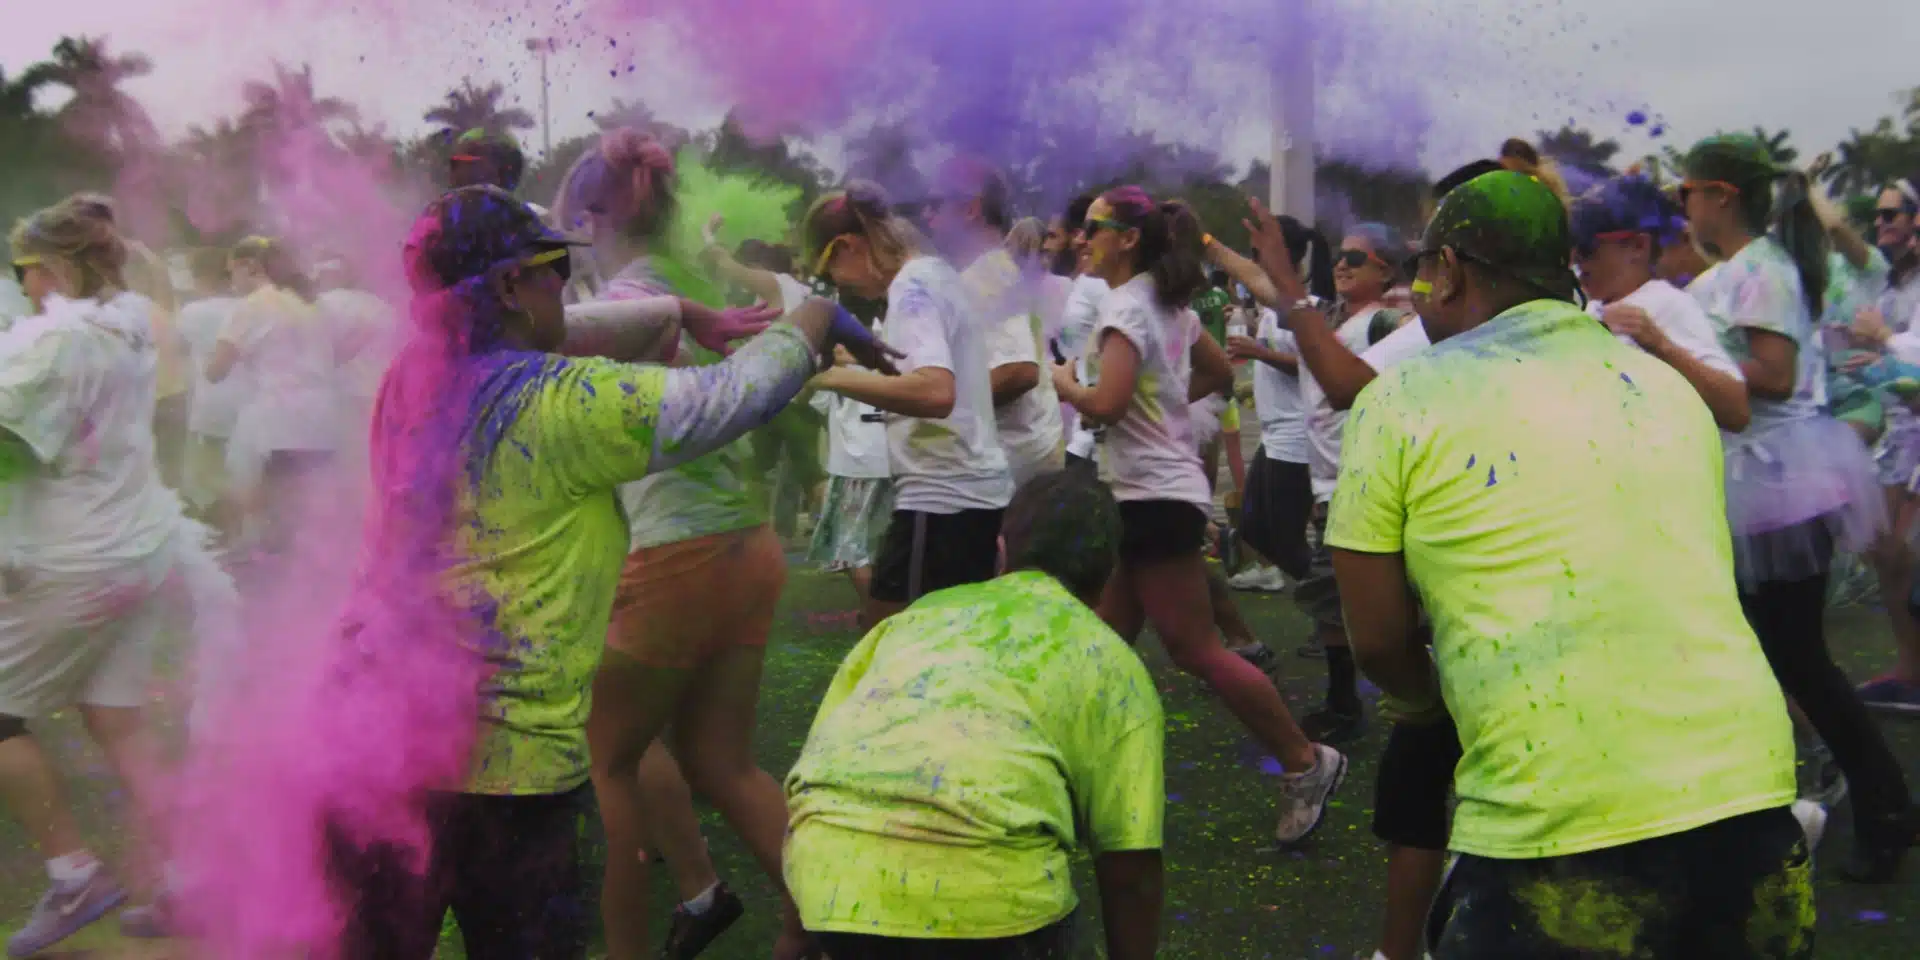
1131 319
38 403
916 327
1369 509
1690 328
241 324
1118 775
1404 342
1763 300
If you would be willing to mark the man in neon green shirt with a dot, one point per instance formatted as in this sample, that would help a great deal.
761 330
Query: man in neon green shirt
1628 758
966 743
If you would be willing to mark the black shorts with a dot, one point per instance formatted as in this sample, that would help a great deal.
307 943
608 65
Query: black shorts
1275 510
1739 889
1317 594
1052 942
1410 796
923 552
509 867
1153 531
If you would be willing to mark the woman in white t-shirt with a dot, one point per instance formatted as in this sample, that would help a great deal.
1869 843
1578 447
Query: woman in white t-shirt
1152 359
951 477
286 431
90 538
1619 228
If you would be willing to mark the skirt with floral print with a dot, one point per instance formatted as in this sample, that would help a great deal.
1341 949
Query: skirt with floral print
851 523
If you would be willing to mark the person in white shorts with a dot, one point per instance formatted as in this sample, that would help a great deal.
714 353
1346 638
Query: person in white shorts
89 535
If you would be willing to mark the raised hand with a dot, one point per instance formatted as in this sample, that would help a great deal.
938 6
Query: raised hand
1270 249
716 330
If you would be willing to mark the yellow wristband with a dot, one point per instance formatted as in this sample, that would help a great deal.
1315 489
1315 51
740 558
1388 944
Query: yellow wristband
1206 239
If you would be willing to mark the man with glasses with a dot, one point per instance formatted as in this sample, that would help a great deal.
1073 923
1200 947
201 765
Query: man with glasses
1628 762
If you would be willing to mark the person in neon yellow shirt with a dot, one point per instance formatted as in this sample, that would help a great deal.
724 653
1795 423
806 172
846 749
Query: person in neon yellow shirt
500 435
1628 760
970 743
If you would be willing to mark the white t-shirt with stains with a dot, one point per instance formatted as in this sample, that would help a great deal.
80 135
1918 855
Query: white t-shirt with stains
955 463
1151 453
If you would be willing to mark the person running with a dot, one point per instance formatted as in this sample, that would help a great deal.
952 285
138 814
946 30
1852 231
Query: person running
972 223
1897 312
497 365
1626 747
1619 228
1799 483
1150 360
926 823
287 430
213 408
679 664
951 479
91 538
1279 496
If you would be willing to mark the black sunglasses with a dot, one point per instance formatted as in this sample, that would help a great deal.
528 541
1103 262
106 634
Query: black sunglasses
1887 214
1356 259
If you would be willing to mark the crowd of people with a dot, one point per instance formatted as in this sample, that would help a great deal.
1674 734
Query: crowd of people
1565 477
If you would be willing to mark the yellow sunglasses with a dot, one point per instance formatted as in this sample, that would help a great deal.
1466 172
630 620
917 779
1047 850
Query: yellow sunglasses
20 265
826 254
559 257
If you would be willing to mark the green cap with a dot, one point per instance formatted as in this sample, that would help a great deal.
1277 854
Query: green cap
1509 223
1736 158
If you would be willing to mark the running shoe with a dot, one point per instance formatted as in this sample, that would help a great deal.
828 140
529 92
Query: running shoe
1304 795
1328 725
694 932
150 921
1892 694
1813 821
1259 579
1829 784
65 910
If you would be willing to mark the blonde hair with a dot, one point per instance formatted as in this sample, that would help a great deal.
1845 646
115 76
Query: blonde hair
1023 241
77 238
1519 156
861 209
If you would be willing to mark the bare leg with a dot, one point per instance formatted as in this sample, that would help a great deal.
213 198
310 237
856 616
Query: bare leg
672 825
1173 594
1226 614
122 734
30 788
862 578
1236 461
631 704
1413 880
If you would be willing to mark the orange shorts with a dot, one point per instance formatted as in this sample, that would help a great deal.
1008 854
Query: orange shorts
680 604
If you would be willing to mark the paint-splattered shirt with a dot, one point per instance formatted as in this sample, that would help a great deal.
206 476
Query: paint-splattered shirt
1759 289
1152 453
705 497
1558 499
962 749
546 536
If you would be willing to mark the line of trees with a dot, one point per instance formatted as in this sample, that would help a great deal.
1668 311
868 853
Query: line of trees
208 186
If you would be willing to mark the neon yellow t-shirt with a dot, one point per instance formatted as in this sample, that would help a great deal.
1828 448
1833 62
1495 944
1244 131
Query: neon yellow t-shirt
1558 498
959 746
549 538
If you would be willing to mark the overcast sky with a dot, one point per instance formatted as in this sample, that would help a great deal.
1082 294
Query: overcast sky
1816 69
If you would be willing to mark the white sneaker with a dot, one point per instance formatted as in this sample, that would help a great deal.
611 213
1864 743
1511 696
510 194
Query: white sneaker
1813 821
1260 579
1304 796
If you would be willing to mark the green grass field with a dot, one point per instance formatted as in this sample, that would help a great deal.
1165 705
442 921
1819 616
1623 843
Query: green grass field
1230 895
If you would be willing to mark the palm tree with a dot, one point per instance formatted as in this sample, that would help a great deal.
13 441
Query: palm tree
99 112
1576 148
468 107
1854 169
288 103
1777 145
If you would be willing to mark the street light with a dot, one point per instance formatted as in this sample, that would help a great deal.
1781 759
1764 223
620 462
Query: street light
542 46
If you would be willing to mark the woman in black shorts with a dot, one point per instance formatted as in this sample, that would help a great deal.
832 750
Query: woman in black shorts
1150 359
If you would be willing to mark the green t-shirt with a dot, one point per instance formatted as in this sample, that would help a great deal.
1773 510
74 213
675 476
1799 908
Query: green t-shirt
1558 498
1211 304
548 539
961 743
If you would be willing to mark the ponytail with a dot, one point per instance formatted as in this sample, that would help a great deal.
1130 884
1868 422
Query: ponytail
1797 224
1180 272
1308 248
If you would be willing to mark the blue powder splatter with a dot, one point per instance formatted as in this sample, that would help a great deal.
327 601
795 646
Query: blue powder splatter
1629 380
1471 460
1491 479
1636 118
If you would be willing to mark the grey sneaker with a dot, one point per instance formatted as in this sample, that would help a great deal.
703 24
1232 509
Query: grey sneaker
153 921
1304 796
65 911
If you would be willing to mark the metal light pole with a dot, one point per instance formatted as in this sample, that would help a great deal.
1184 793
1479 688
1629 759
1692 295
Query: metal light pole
542 46
1293 105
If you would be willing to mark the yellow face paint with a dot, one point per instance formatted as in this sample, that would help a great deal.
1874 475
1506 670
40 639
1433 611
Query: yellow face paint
1422 288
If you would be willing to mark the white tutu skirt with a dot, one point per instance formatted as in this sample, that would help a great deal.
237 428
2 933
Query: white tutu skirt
1783 479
